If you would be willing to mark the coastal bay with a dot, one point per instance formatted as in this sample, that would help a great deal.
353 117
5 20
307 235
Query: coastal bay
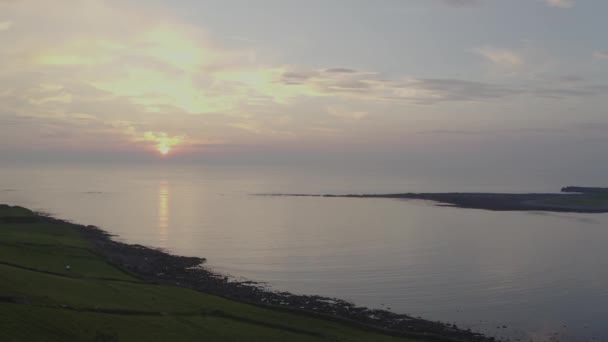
115 289
535 272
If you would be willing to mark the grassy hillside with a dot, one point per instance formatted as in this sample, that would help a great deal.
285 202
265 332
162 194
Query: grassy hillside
43 300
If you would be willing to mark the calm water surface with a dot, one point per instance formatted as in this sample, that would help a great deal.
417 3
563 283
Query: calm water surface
541 275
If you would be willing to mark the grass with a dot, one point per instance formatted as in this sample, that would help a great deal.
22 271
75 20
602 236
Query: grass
585 200
41 300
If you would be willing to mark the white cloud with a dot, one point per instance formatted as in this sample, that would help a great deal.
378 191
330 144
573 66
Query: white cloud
5 25
560 3
501 57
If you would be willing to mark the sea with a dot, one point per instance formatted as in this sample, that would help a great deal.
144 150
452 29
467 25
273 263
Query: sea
529 276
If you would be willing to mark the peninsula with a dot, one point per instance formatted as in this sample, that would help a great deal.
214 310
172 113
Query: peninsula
571 199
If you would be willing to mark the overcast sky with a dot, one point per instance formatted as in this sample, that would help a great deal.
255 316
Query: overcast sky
463 79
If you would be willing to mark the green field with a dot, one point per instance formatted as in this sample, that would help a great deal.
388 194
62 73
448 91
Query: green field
585 200
41 300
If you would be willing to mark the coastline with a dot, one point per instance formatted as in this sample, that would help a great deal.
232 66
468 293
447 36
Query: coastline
158 267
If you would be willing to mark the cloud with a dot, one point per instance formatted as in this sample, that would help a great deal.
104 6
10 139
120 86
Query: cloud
89 132
361 85
449 132
571 78
564 91
444 90
344 113
369 86
340 70
460 3
154 64
601 54
560 3
113 75
501 57
5 25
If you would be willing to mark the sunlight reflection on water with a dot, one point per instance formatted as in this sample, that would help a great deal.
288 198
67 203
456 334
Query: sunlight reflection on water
163 213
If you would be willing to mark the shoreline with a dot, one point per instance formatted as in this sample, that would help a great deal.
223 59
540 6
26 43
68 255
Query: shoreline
158 267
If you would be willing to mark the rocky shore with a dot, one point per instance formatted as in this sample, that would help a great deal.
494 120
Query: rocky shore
155 266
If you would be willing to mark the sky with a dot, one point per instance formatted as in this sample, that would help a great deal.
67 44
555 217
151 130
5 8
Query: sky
443 82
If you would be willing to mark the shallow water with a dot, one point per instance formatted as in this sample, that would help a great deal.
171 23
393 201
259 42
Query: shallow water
542 275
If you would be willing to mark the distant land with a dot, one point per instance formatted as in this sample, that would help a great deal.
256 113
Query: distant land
576 199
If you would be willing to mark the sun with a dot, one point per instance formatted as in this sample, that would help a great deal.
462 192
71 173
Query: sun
163 142
164 149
